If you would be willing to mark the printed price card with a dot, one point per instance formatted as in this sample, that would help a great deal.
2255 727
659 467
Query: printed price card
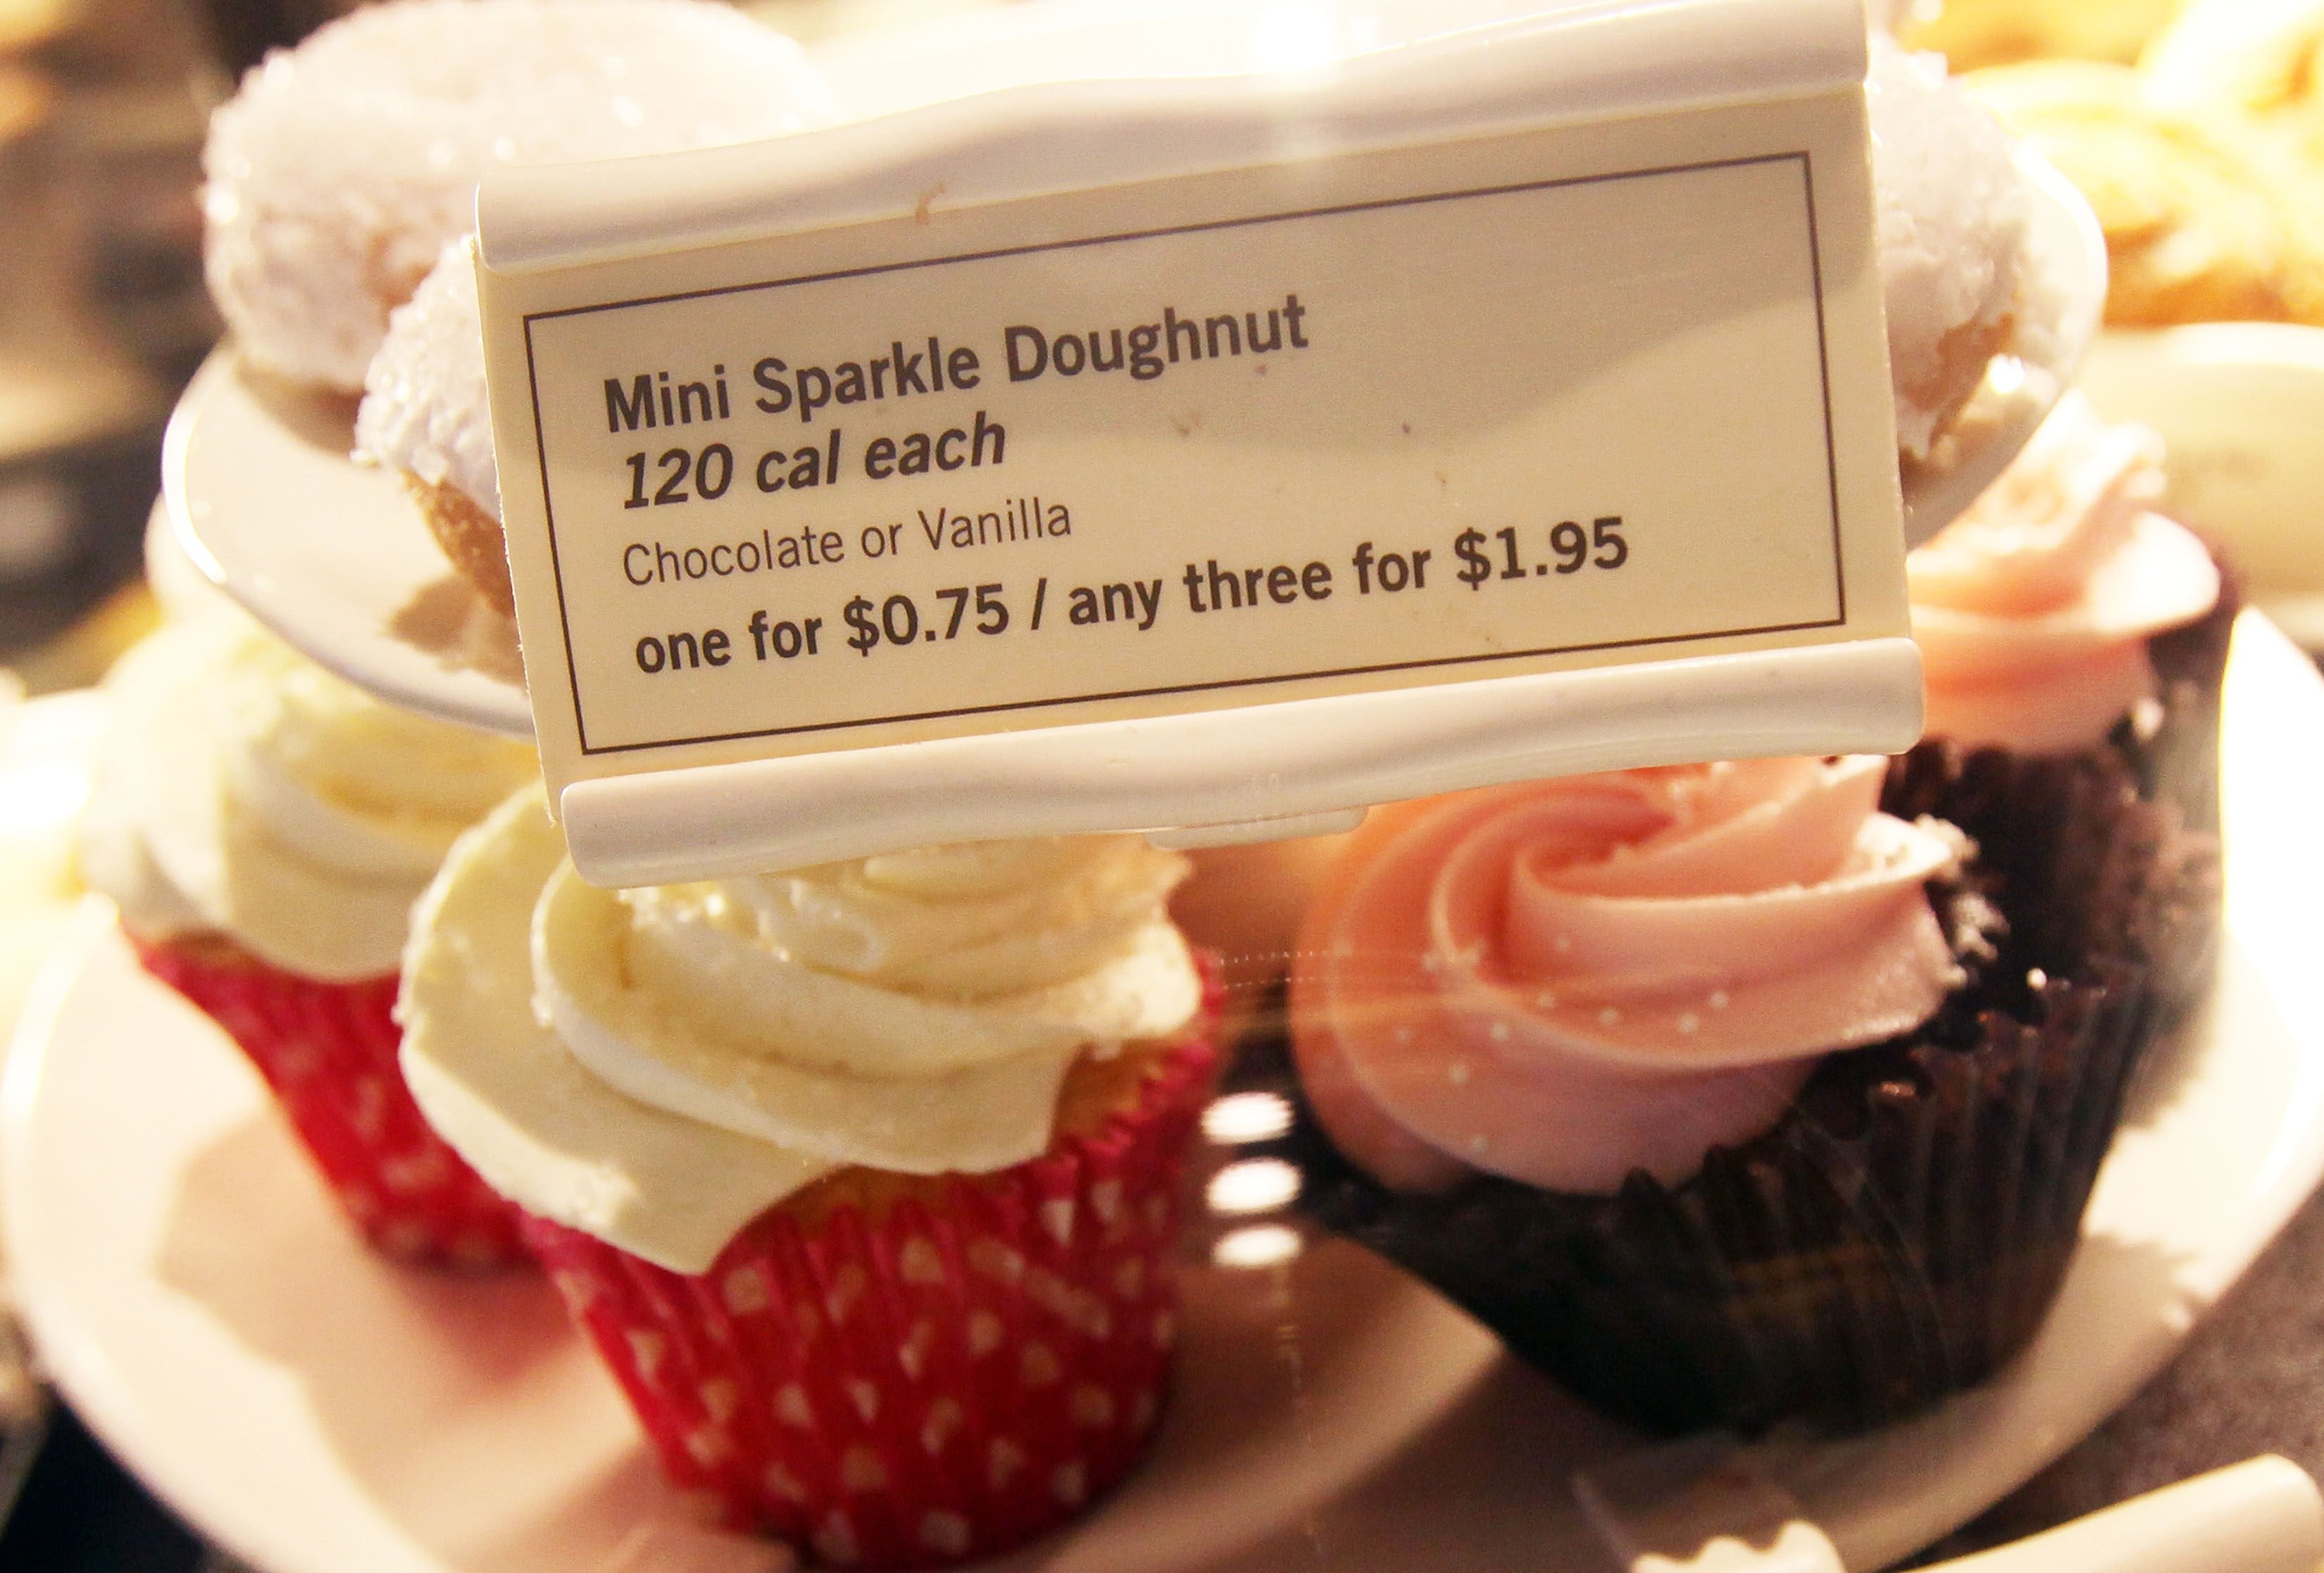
1541 400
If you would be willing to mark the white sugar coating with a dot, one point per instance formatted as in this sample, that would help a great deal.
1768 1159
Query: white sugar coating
424 410
338 173
1953 221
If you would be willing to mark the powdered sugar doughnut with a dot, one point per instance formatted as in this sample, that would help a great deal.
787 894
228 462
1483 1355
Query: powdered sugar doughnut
1953 216
340 170
424 413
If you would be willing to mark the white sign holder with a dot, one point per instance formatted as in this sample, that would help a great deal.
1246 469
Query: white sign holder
1652 470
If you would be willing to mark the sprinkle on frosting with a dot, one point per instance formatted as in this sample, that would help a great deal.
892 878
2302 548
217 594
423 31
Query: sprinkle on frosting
1628 968
2033 608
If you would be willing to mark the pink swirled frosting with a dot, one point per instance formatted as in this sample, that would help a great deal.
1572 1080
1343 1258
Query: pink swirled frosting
2033 608
1563 981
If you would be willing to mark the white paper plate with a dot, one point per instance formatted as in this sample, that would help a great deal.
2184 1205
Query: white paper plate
336 559
320 1411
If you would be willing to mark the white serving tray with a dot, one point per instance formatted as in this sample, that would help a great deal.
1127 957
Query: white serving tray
320 1411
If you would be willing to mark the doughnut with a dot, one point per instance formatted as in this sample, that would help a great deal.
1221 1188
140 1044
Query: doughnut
338 173
1953 214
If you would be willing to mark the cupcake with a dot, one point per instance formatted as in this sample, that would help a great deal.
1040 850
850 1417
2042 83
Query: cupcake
1727 1094
340 170
2262 59
2063 612
264 829
863 1178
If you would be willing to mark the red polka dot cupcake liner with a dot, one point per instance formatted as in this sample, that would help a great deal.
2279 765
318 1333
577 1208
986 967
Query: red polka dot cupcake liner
934 1382
328 1052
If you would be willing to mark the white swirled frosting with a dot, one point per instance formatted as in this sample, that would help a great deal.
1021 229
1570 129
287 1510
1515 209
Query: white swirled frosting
656 1066
245 791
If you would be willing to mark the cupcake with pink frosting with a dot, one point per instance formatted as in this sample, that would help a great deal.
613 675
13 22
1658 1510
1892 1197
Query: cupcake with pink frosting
2062 611
1740 1092
1498 976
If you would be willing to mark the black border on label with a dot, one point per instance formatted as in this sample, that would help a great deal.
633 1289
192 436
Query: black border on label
1823 366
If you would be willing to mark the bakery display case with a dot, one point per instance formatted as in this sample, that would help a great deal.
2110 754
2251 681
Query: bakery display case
1682 943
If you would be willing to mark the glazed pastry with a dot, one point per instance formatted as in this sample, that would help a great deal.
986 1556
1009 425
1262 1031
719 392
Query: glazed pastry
2062 612
264 828
340 170
1722 1094
2264 64
2201 225
1972 34
863 1178
2263 58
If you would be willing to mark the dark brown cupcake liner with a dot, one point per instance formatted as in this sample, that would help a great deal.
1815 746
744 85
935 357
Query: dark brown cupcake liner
2086 866
1900 1232
2178 759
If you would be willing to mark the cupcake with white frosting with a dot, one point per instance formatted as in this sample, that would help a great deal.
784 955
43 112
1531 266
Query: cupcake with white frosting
1738 1093
264 829
862 1178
